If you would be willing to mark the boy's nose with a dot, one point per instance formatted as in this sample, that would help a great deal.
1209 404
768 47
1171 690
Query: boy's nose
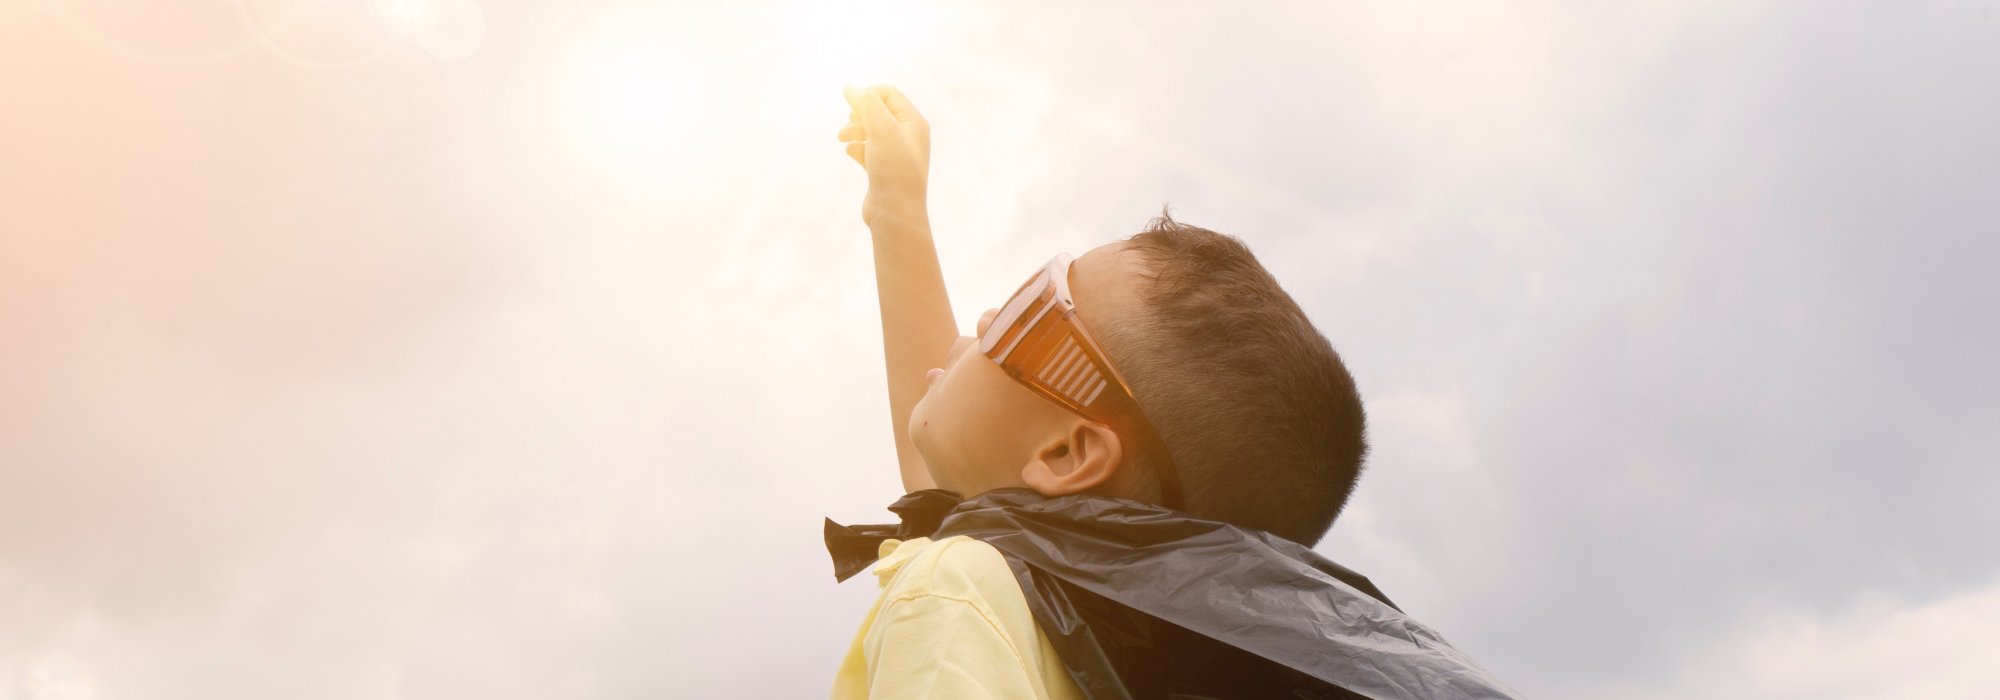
957 348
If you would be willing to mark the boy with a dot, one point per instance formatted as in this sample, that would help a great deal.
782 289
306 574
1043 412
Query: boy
1114 484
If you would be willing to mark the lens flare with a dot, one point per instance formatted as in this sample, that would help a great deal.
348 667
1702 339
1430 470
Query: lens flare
633 100
834 43
662 97
449 30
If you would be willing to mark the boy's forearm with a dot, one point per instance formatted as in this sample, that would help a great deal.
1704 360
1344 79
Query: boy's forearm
917 324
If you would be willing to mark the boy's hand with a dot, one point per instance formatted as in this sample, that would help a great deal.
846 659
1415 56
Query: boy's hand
890 140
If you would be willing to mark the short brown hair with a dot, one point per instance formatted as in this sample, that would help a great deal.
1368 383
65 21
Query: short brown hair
1261 417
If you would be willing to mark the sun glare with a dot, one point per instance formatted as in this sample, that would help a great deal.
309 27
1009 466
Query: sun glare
450 30
639 82
634 93
646 96
399 10
835 43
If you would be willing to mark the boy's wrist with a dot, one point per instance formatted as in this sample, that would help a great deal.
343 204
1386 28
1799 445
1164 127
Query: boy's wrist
900 217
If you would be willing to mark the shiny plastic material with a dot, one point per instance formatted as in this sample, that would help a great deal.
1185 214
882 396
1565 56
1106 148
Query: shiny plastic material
1145 602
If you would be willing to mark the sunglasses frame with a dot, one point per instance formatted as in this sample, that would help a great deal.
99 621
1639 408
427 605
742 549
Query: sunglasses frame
1042 344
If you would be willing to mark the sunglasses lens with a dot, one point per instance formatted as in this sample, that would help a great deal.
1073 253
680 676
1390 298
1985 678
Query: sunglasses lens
1072 372
1010 315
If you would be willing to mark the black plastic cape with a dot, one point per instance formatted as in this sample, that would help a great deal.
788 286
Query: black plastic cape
1145 602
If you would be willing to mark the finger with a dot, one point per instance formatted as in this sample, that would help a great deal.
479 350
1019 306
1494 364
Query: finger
853 132
848 92
855 151
874 114
899 104
906 114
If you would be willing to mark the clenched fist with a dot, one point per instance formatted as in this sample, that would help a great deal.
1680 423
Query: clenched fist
886 135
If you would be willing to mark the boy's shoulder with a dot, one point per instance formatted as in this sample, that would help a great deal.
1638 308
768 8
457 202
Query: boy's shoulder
932 589
956 567
951 612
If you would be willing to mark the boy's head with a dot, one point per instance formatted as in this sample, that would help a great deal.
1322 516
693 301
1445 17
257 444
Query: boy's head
1262 419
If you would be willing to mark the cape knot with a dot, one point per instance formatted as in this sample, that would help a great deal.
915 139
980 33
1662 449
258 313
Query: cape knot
854 547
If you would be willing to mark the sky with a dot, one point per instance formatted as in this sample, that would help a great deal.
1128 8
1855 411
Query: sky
457 348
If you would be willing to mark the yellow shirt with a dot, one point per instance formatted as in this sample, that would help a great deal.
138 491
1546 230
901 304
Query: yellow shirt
951 623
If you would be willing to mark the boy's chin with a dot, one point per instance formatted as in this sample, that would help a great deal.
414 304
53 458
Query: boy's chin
917 422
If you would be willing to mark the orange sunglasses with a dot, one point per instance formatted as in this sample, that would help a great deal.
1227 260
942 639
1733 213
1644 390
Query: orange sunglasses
1039 340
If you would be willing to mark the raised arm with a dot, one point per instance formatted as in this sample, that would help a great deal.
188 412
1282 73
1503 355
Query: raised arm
890 140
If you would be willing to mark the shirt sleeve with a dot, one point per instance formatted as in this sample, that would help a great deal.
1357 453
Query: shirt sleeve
932 646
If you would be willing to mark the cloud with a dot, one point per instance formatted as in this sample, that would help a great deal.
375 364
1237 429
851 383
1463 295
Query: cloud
1880 646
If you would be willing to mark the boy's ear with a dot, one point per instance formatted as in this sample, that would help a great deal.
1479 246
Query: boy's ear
1088 455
